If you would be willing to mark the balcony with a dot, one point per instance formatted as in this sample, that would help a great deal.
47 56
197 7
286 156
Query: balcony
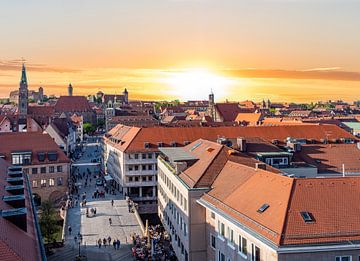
140 172
140 183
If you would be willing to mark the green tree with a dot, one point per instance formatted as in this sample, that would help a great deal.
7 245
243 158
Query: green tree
89 128
48 221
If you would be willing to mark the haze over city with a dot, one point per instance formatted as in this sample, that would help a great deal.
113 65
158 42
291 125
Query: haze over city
182 49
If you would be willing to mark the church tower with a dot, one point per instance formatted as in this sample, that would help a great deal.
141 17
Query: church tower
23 95
211 109
70 90
126 96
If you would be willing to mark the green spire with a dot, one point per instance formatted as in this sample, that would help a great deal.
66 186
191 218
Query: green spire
23 75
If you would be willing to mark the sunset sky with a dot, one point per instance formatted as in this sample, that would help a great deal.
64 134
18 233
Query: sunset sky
284 50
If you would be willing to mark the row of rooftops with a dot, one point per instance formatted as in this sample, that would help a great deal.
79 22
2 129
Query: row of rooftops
286 211
135 139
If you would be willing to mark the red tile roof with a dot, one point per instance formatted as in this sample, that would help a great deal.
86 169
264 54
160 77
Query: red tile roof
328 158
30 141
135 142
72 104
330 201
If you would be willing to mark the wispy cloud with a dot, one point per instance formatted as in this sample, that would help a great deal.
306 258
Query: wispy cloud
315 74
15 64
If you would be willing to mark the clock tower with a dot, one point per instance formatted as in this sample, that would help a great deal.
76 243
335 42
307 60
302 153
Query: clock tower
23 95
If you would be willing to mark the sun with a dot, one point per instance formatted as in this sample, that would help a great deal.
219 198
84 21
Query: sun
196 83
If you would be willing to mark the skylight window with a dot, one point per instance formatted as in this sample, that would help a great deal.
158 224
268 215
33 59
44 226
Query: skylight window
263 208
307 217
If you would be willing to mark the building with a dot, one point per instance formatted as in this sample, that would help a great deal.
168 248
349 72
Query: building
78 121
74 104
114 100
23 98
5 124
138 121
42 160
20 237
64 133
129 153
219 204
70 90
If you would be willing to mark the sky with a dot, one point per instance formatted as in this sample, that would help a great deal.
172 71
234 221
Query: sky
284 50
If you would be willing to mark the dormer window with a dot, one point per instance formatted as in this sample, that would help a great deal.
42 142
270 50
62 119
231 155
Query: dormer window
173 144
160 144
147 145
307 217
41 156
52 156
186 142
21 158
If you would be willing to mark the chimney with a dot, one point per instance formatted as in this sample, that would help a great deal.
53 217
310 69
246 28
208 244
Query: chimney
260 165
241 143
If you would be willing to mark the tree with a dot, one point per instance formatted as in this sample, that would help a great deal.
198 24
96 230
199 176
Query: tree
48 221
89 128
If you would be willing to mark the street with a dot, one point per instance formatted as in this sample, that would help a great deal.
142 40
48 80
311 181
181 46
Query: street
97 226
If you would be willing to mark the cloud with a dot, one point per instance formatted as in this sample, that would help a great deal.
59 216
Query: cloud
314 74
15 65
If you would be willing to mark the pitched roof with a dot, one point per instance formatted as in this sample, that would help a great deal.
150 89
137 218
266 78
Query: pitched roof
72 104
228 111
329 201
249 118
333 204
329 158
166 135
30 141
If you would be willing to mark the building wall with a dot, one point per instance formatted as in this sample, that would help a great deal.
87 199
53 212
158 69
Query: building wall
127 170
231 250
49 191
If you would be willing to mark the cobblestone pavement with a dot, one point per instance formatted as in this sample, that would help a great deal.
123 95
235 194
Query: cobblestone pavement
94 227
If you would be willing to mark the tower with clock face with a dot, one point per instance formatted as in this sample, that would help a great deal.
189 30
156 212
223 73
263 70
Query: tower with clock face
23 94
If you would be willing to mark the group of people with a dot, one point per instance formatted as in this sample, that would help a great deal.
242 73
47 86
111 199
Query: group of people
159 241
92 212
107 242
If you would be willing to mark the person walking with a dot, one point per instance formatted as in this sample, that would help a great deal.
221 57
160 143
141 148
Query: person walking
114 244
69 229
112 202
118 244
110 221
104 242
109 240
99 242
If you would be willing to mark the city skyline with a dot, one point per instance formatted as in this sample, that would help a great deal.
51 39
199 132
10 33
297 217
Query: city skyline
157 49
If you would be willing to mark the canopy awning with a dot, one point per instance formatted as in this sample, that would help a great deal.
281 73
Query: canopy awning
108 178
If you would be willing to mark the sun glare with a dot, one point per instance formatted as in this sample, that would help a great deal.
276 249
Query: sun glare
196 83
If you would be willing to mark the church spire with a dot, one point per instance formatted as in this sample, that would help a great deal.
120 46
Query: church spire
23 75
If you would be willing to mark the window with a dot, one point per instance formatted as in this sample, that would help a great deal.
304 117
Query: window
52 156
41 156
150 178
26 171
343 258
213 241
51 169
185 229
136 179
43 183
34 170
136 156
136 167
150 167
59 181
182 248
185 204
212 215
255 253
59 169
308 218
43 170
21 158
143 178
150 156
221 256
143 156
242 245
34 184
230 234
130 168
143 167
51 182
221 228
263 208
